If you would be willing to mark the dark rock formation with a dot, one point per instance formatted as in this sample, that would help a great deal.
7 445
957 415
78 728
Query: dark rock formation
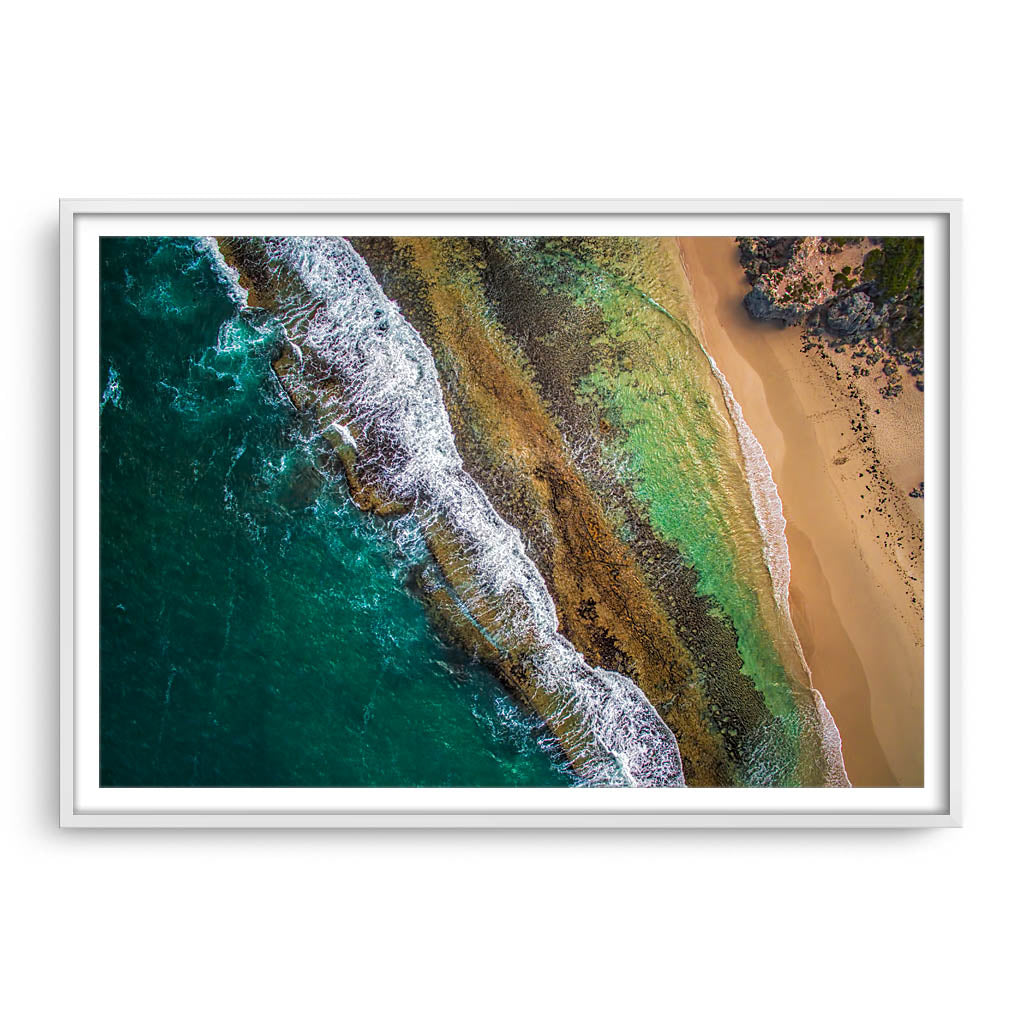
852 315
874 297
762 306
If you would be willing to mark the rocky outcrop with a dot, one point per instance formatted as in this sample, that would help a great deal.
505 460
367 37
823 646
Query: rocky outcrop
841 289
852 315
762 304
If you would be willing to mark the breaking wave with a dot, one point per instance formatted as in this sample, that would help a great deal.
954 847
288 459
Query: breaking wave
226 274
385 399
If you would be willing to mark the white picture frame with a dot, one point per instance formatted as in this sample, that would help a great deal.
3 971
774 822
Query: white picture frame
84 804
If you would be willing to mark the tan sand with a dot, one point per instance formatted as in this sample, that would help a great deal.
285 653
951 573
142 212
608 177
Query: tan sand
855 537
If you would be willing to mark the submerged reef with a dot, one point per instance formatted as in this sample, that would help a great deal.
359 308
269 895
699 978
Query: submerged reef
544 413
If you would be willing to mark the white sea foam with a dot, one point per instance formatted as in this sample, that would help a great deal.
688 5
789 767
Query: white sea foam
831 742
227 274
772 523
392 406
767 504
112 392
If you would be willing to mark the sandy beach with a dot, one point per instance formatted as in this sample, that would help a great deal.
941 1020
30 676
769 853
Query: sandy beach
844 460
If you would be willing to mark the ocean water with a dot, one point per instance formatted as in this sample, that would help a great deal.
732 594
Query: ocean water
386 390
256 628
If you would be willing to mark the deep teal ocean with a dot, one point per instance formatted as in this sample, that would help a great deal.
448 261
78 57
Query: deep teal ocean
256 628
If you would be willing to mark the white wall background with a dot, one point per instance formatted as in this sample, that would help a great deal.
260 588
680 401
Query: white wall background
862 99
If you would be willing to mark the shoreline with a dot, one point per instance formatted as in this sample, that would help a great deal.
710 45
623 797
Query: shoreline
856 596
626 609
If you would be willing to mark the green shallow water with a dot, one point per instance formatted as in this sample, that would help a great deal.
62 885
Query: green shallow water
654 382
686 469
255 626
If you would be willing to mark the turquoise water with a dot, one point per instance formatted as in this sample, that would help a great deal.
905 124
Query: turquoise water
256 629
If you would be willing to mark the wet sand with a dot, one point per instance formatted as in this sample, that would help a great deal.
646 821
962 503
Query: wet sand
855 538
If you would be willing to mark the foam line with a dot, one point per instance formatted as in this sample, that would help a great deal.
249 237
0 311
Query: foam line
226 274
772 523
392 406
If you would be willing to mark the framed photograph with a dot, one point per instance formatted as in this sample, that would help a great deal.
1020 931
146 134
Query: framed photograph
509 513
